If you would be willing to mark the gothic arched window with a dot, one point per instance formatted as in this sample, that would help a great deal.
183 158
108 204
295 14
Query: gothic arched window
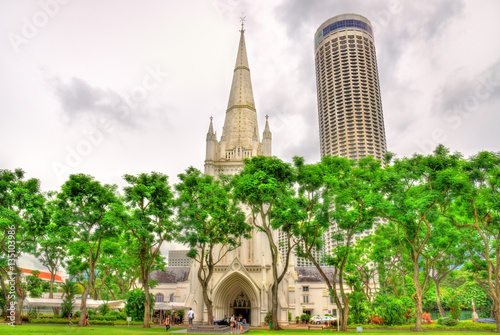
159 297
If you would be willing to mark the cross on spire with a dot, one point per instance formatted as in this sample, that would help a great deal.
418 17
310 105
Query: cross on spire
242 20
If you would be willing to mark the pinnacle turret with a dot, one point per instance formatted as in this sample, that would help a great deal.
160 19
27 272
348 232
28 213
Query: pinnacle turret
211 135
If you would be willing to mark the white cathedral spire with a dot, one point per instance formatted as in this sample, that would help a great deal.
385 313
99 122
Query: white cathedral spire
240 135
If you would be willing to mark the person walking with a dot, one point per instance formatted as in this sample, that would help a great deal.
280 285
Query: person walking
70 317
190 317
167 322
86 323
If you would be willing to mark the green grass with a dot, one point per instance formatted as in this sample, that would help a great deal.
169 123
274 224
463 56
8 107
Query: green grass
36 329
118 330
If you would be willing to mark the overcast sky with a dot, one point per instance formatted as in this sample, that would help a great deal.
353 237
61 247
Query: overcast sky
114 87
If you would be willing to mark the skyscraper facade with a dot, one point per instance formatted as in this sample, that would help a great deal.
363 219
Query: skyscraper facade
351 122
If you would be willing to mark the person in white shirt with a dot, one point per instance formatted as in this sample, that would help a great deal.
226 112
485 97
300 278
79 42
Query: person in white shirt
190 317
232 324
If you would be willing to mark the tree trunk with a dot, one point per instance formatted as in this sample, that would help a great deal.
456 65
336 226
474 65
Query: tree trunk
208 304
345 313
438 300
147 303
20 297
496 307
274 290
418 297
83 304
5 293
55 310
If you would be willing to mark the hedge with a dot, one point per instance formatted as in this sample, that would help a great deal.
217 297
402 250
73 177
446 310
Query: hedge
92 322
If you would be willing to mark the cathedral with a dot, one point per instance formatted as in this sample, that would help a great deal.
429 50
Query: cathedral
242 281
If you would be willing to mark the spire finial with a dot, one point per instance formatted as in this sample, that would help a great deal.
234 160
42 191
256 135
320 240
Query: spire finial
242 20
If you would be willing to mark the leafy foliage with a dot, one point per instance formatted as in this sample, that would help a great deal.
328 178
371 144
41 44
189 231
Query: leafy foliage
212 224
393 311
134 305
447 322
150 203
69 289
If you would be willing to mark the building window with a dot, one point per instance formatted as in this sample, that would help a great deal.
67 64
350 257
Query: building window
171 298
305 288
159 297
305 298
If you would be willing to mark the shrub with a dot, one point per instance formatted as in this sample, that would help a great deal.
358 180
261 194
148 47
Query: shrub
118 315
32 314
376 320
455 306
269 317
134 306
103 309
393 311
427 318
449 322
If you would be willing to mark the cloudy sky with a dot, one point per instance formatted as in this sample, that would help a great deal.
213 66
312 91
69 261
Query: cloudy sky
114 87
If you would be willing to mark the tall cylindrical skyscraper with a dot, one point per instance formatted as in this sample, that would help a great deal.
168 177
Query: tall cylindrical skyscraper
351 122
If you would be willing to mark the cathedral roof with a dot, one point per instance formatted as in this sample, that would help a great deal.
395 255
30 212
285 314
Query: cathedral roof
171 275
309 274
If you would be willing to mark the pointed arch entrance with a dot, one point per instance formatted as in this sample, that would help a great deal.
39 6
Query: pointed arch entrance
236 294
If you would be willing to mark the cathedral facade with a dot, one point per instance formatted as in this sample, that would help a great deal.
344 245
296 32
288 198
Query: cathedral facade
242 281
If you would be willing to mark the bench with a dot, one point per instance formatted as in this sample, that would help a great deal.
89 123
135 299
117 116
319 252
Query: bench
313 327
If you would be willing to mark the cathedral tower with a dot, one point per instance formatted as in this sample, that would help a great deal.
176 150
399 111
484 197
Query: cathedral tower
240 134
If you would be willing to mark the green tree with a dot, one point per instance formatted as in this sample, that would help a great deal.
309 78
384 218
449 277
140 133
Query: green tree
350 194
337 196
117 271
394 311
265 186
86 214
446 264
476 209
135 303
69 290
417 191
150 202
211 224
23 218
52 248
391 263
35 285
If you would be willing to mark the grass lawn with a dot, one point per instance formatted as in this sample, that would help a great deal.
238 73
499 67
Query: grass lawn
37 329
105 330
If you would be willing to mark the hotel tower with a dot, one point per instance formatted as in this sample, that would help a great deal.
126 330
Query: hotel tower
351 122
